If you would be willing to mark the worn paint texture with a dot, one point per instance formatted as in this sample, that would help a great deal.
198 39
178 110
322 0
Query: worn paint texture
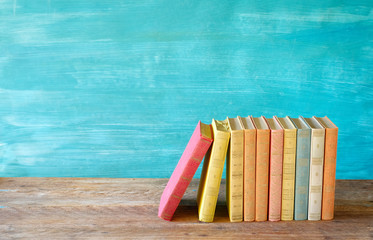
92 88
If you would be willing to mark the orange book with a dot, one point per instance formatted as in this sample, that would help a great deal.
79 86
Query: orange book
261 168
249 168
330 157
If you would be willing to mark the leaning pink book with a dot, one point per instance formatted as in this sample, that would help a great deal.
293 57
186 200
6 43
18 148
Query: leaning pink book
194 152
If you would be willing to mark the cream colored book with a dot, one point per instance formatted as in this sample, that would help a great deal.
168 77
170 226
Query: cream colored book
288 168
213 165
316 168
234 171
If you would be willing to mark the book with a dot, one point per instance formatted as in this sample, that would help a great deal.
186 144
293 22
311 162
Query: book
302 169
261 169
249 168
275 169
212 171
191 158
316 168
330 160
234 171
288 169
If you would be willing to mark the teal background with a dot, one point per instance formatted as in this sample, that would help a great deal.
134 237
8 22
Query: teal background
92 88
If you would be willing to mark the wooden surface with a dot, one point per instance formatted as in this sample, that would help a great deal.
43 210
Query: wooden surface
50 208
115 88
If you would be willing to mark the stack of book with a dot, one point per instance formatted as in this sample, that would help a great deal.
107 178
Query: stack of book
276 169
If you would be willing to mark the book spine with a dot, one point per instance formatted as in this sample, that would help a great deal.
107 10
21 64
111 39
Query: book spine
228 178
331 138
261 178
288 175
302 169
235 177
213 170
249 174
275 175
316 174
182 176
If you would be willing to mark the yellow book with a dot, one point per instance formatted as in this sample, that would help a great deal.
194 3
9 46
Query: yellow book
234 171
212 171
288 169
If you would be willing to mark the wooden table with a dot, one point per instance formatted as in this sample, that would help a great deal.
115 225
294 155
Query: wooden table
97 208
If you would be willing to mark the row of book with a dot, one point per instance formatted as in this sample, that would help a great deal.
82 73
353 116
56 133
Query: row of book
277 169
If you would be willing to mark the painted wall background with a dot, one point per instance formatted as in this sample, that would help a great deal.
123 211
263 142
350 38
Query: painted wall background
92 88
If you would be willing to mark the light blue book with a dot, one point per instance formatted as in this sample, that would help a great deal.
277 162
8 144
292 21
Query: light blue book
302 169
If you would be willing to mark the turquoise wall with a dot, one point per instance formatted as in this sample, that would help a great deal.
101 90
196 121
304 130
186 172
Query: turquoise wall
92 88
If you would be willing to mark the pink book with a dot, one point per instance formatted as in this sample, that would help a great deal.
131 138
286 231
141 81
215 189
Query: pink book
275 170
193 154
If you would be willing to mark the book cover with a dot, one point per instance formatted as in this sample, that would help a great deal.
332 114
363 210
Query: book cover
288 169
330 160
209 184
262 165
275 169
234 171
316 168
249 168
192 156
302 169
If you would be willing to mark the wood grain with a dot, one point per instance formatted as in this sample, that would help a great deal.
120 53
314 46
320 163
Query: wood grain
92 88
96 208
